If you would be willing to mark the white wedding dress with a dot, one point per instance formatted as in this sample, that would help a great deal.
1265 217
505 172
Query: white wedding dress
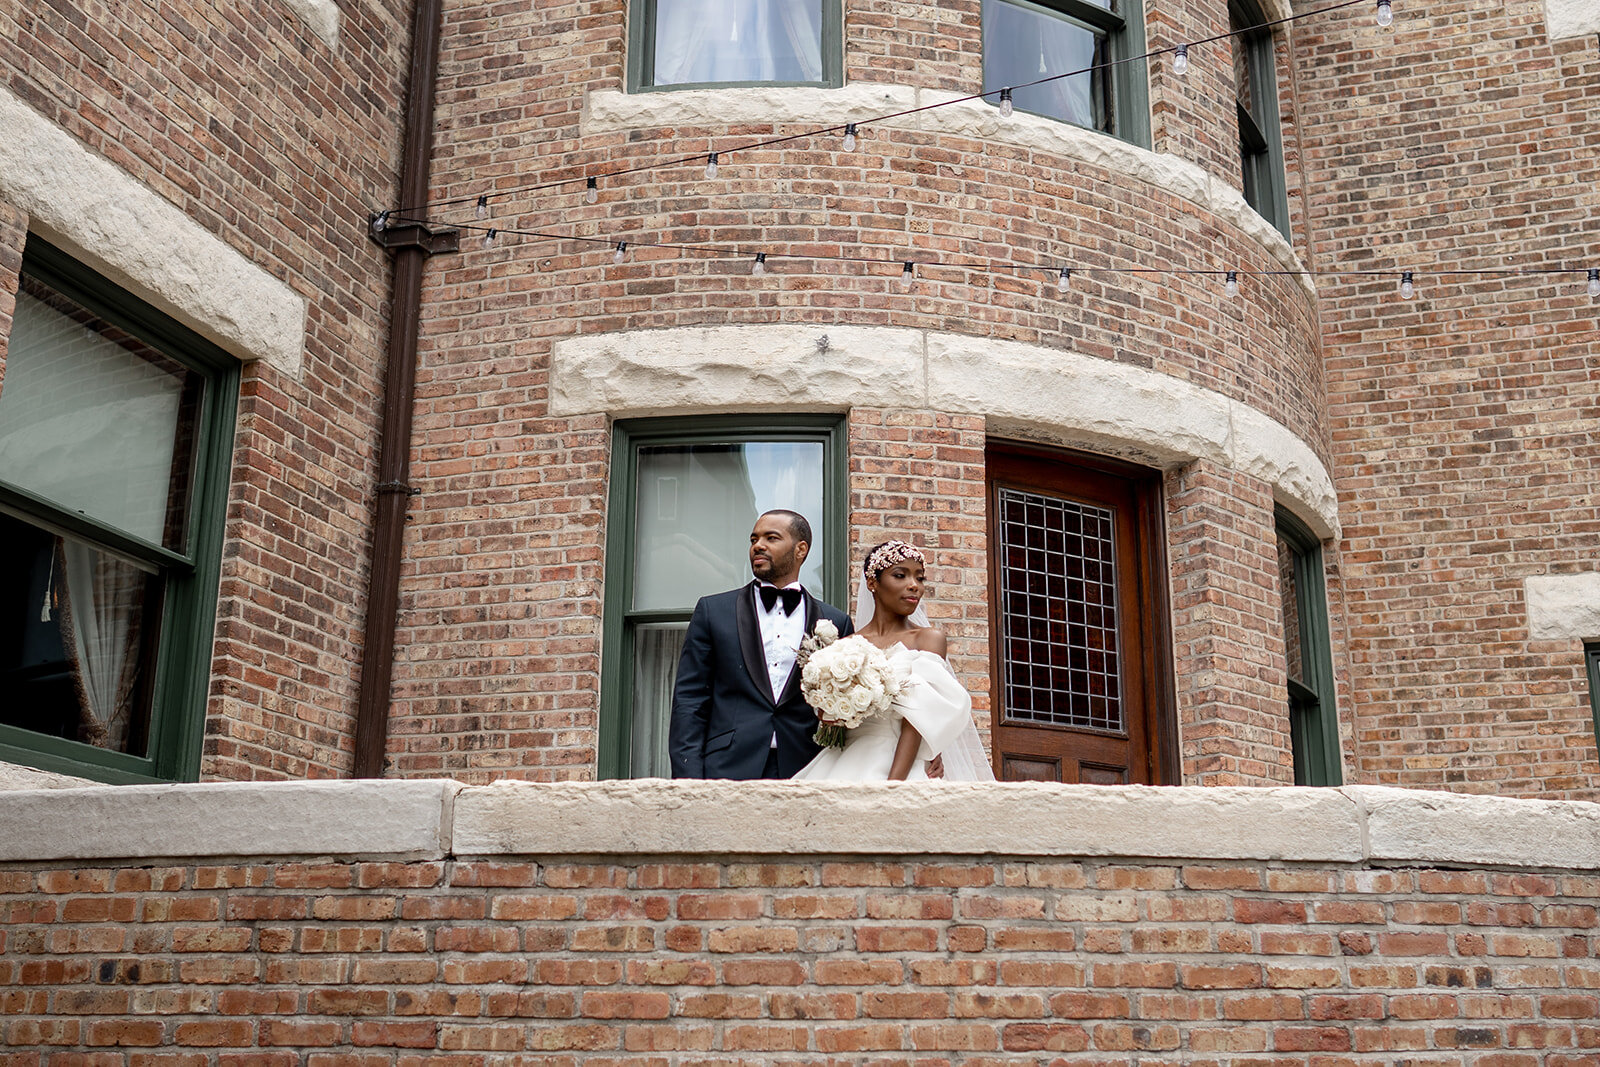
936 704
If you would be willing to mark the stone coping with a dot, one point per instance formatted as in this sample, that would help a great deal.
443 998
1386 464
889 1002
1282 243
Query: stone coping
438 819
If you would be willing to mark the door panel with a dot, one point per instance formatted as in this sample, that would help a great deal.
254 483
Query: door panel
1074 572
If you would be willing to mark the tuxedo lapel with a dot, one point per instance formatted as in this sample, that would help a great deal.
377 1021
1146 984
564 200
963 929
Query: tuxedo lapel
750 647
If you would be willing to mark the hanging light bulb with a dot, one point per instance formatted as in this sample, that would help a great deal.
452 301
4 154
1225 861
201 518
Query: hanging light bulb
1594 281
908 277
1005 103
1063 279
760 265
591 191
489 236
380 222
1385 13
1407 289
483 207
850 138
1180 60
621 253
711 165
1231 284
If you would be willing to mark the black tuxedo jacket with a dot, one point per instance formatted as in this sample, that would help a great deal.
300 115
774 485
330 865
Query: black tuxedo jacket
724 712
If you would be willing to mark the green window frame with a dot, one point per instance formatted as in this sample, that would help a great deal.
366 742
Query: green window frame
1591 667
1313 715
1120 93
623 623
188 563
1260 138
644 24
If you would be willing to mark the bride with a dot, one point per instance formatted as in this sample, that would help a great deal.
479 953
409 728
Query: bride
932 718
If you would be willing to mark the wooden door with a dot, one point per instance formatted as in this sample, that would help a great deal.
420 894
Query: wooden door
1081 663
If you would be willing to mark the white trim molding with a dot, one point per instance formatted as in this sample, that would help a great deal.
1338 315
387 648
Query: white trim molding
82 201
1024 390
1571 18
1563 607
611 111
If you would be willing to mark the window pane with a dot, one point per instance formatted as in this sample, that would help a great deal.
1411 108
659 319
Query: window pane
1022 45
1058 588
695 505
74 659
655 667
738 41
95 420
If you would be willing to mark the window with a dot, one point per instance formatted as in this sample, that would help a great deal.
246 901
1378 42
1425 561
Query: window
1255 88
684 495
683 44
1024 41
1313 721
115 431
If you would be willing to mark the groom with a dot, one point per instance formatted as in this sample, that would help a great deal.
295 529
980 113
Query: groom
736 705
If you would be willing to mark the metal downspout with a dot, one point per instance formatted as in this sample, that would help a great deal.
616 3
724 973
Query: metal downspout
394 449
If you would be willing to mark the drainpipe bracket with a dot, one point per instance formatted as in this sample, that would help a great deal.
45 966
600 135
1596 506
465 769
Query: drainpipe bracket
398 235
398 487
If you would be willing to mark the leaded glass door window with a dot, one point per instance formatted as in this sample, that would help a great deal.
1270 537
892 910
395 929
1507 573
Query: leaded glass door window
1076 668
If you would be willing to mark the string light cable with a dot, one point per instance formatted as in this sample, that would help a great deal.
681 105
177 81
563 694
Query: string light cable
1053 273
591 178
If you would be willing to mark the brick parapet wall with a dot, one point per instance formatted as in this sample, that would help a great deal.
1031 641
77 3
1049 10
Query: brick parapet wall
1463 421
1149 934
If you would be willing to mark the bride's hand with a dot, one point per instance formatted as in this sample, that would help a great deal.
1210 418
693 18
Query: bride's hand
936 767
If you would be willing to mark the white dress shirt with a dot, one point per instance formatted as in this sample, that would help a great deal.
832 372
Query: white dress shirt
780 640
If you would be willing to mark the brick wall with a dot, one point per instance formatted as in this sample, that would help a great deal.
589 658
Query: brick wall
705 956
1463 420
277 144
1233 719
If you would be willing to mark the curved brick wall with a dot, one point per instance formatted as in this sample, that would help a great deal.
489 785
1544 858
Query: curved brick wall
517 597
418 922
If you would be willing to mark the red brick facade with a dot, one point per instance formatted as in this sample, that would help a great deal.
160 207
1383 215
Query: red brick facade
701 960
1456 428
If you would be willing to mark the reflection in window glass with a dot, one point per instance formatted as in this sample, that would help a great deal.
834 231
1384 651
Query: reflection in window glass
1023 43
695 505
704 41
94 420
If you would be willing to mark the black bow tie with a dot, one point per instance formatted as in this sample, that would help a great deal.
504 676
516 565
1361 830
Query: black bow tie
771 593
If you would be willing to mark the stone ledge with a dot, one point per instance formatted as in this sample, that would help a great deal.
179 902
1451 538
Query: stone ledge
959 818
1571 18
436 819
1031 391
116 224
408 820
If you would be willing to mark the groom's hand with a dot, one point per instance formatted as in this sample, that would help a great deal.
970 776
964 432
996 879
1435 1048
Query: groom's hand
936 767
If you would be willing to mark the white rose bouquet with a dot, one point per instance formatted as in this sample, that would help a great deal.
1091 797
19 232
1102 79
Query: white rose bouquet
846 680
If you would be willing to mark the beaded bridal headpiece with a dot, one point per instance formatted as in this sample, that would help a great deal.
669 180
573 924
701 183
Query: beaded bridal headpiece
888 554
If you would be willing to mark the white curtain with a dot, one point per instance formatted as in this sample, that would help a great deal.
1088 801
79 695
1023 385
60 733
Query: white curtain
737 41
656 647
100 626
